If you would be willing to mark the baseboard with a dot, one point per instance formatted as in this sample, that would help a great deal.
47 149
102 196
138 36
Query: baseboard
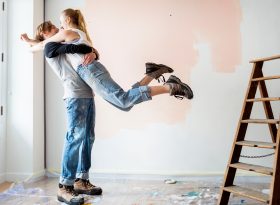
2 177
24 177
179 176
168 173
160 175
56 172
154 172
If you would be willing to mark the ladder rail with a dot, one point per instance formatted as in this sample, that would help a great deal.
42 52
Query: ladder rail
275 183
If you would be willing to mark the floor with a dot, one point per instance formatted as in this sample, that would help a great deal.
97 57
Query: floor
189 191
4 186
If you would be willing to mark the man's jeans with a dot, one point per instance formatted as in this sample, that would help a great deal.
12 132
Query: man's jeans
76 158
81 118
99 79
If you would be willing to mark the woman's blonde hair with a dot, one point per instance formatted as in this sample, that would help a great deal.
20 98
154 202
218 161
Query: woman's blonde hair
77 19
43 27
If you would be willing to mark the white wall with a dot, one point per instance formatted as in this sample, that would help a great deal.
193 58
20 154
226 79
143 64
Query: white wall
25 125
189 137
3 91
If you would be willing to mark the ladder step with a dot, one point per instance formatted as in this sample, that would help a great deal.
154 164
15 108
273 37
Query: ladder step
248 193
261 121
262 99
265 59
268 145
253 168
266 78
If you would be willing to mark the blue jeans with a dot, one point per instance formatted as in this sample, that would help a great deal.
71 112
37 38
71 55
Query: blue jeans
99 79
76 157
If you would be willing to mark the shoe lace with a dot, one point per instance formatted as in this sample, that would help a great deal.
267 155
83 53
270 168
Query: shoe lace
161 78
87 183
70 190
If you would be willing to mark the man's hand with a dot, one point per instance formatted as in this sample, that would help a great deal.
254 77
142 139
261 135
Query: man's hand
89 58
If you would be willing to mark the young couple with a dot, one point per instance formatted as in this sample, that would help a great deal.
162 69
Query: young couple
70 53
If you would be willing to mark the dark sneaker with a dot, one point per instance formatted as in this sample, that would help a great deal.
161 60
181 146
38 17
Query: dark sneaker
156 70
83 186
179 89
67 195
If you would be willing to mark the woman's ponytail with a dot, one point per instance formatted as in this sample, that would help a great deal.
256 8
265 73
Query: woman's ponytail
82 24
77 19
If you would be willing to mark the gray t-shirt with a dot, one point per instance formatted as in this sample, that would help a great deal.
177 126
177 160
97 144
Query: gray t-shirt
74 86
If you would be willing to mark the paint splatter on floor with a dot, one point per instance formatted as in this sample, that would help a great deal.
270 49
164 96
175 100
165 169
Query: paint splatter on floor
127 192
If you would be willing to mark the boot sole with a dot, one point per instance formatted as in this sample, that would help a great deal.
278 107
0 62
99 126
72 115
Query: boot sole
178 81
59 198
153 65
170 70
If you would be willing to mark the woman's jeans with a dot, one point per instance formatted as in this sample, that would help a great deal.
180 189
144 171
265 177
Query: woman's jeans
99 79
76 158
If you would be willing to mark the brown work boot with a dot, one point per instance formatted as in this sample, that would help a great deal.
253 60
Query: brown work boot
67 195
178 88
156 70
83 186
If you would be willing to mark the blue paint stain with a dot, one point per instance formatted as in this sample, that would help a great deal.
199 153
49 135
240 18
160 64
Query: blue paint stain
191 194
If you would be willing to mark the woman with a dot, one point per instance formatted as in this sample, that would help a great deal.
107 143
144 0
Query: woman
74 30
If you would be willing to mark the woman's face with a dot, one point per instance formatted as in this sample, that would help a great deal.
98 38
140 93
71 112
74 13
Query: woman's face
63 22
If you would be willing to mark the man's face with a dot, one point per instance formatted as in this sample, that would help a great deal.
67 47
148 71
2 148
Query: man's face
53 31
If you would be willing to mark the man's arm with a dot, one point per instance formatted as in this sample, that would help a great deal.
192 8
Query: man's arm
53 49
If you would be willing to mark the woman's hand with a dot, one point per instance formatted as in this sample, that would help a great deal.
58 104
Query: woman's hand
24 37
89 58
32 42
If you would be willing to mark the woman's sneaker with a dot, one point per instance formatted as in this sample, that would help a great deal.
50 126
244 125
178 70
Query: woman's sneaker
179 89
83 186
67 195
156 70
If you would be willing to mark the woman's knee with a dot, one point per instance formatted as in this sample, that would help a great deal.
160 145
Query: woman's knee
124 105
126 108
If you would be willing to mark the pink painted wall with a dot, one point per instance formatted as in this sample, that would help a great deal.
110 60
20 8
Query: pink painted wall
130 33
207 42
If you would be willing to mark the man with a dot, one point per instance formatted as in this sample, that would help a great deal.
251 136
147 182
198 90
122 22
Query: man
79 102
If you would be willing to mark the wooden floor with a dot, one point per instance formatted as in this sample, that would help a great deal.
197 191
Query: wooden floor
127 192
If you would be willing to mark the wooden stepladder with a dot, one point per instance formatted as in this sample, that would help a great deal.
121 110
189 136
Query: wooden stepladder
257 79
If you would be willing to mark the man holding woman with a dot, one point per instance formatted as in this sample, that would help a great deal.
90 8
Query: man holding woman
80 107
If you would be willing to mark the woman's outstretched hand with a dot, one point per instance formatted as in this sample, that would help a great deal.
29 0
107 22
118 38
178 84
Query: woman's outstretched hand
34 44
24 37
